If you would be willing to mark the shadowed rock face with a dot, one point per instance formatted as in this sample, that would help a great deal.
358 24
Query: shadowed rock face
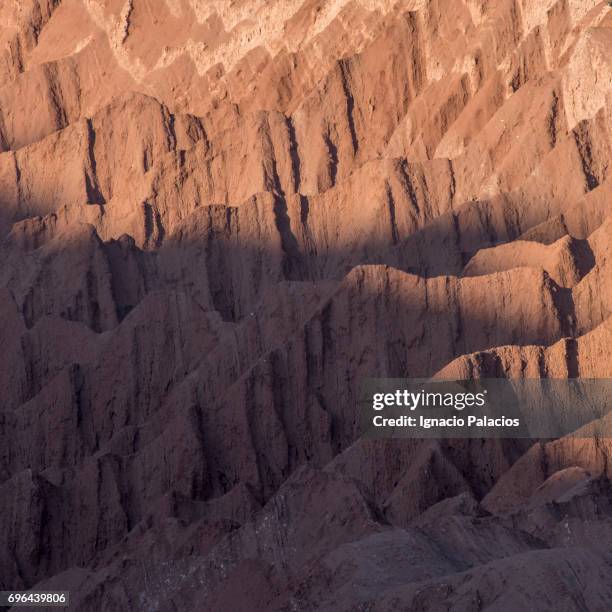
217 217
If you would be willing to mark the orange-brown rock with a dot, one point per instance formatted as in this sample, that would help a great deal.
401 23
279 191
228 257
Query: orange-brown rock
217 218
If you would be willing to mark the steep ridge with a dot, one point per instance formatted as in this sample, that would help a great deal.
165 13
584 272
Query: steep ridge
216 218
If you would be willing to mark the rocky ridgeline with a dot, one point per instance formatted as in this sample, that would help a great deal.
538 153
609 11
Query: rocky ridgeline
217 218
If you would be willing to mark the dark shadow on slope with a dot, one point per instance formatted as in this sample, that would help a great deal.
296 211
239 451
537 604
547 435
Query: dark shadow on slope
178 400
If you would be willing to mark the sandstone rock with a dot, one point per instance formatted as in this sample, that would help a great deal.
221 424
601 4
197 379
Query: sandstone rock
217 218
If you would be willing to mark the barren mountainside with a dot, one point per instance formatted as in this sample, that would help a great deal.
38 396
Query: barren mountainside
217 217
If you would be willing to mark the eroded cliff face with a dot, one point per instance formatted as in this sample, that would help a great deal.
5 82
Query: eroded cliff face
217 217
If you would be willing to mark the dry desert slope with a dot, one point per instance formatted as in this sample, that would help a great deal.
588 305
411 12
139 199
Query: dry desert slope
217 217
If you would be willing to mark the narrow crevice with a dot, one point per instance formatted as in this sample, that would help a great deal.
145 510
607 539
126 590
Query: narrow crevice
407 183
350 105
4 144
304 209
584 257
453 181
154 229
17 178
332 150
552 119
294 154
273 183
583 144
55 98
293 263
92 186
169 121
566 311
392 220
571 358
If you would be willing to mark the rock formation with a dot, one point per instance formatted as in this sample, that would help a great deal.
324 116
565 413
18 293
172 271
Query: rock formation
217 218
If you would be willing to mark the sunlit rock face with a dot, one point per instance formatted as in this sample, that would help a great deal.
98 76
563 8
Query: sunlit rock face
217 217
